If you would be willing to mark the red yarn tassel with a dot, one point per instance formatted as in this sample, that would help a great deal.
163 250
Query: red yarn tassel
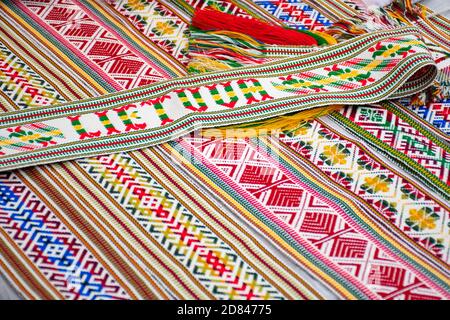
266 33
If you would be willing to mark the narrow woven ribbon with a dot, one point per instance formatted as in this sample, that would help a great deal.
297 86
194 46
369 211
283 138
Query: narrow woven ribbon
367 69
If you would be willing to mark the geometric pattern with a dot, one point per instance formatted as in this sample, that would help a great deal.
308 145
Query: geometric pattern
22 84
305 17
53 249
392 277
216 267
284 89
154 20
213 262
254 177
228 6
438 114
100 45
148 203
360 172
397 133
295 13
28 137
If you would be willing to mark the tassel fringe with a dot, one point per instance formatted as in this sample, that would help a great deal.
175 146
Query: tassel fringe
220 41
266 33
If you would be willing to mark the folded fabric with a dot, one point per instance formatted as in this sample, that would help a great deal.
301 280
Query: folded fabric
366 69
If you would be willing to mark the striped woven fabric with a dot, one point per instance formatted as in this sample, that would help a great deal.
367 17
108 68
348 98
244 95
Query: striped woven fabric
350 205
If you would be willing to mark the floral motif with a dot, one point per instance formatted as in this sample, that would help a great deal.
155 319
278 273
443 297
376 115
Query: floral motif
291 84
390 50
387 208
133 5
424 218
379 183
216 5
30 136
349 74
164 28
327 134
335 154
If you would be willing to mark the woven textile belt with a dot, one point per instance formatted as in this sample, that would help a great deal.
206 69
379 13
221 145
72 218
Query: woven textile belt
367 69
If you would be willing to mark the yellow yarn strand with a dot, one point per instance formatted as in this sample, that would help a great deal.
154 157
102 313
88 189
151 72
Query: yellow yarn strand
290 123
204 64
330 39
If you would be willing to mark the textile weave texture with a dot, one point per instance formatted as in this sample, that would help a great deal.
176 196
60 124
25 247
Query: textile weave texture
351 205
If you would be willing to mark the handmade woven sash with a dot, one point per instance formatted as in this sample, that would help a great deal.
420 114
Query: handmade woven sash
367 69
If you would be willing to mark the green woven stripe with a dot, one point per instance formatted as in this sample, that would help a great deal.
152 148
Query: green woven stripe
403 160
395 109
